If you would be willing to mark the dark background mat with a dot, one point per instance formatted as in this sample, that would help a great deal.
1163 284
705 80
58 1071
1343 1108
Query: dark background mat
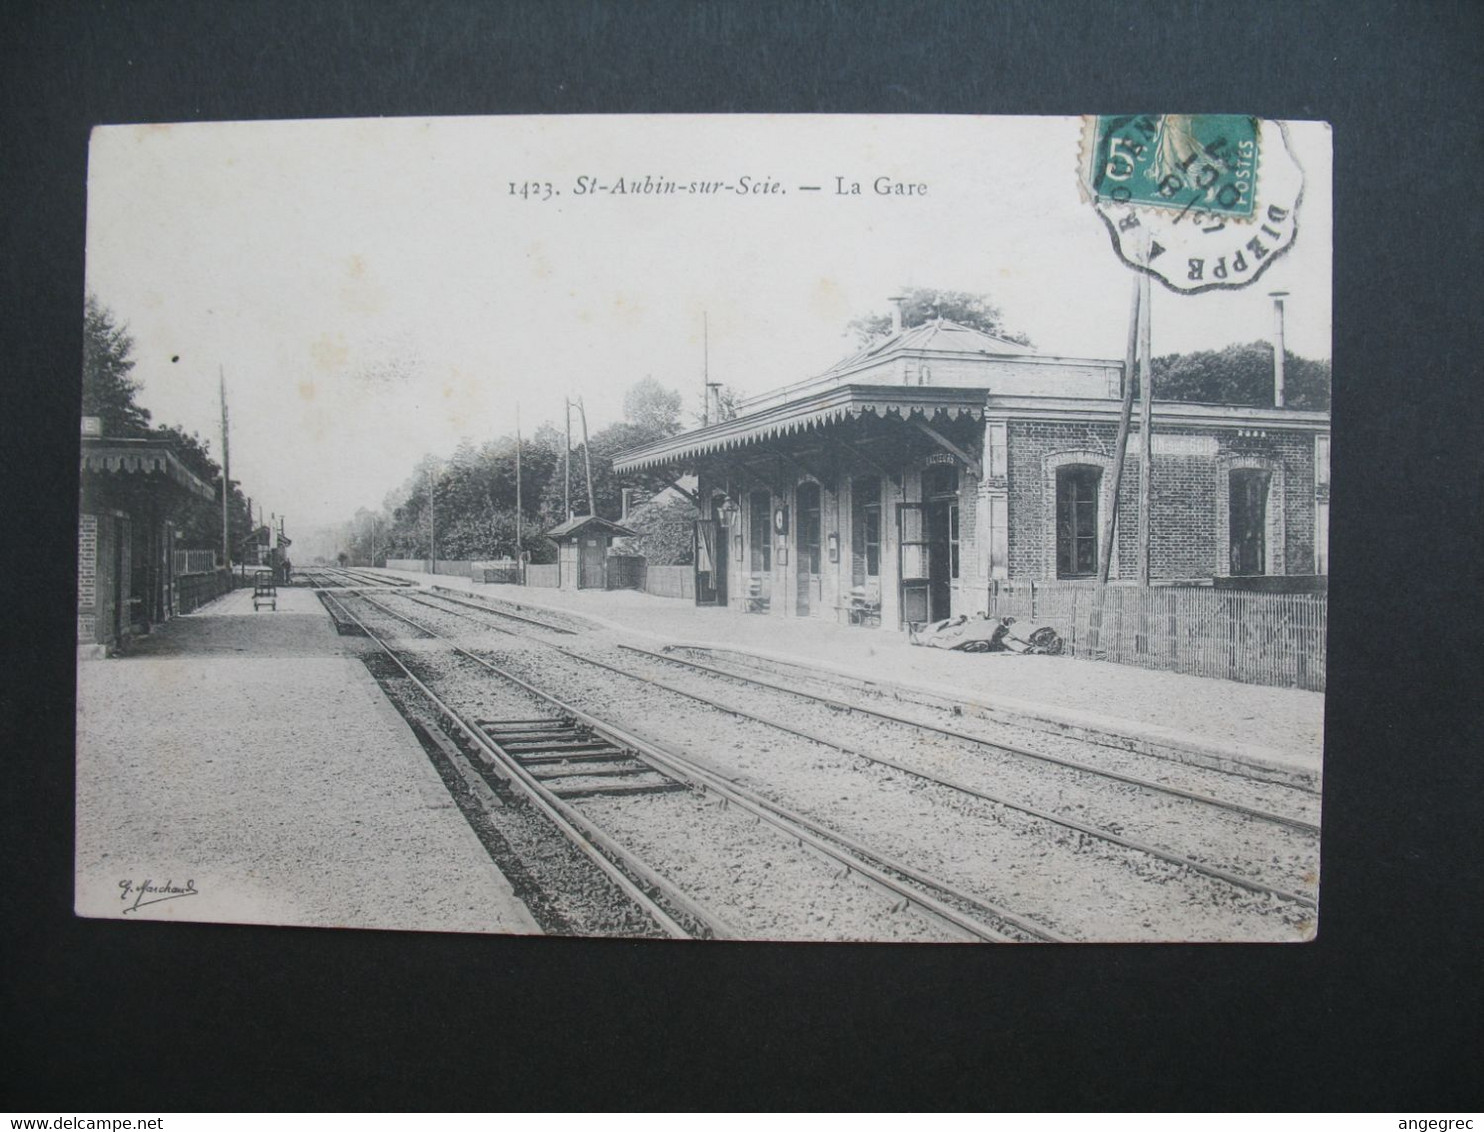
1383 1011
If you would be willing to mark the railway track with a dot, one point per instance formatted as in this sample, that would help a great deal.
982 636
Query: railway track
908 726
1067 824
560 760
343 577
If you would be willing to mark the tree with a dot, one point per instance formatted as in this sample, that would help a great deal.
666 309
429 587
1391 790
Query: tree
727 400
1241 375
651 406
109 392
107 389
665 527
921 304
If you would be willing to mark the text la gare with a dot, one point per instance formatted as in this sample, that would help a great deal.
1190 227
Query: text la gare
882 187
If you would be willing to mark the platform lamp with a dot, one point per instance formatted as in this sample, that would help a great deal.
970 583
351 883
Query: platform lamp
728 512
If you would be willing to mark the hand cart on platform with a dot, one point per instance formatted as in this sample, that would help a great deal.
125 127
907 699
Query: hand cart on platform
264 591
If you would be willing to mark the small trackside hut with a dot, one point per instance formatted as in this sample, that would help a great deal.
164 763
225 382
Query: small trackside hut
904 483
582 550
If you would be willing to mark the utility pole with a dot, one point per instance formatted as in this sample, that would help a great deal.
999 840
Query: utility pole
432 523
221 374
587 460
1125 415
567 463
518 516
1146 431
705 369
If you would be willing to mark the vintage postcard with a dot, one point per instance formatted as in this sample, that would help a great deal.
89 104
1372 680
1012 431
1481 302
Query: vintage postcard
801 528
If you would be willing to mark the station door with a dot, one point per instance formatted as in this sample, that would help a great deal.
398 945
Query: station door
810 581
590 563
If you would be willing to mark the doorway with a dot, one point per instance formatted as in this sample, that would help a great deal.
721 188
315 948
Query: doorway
809 580
590 563
711 562
940 496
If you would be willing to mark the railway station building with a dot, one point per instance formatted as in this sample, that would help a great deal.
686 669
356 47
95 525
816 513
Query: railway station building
901 484
129 569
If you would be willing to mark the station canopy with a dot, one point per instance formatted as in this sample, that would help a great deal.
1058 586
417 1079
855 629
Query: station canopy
143 463
876 426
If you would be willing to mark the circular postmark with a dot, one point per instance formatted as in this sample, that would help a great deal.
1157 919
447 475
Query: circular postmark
1199 201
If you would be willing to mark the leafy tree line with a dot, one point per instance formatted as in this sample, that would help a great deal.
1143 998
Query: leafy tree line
1241 375
471 495
465 505
111 393
1234 375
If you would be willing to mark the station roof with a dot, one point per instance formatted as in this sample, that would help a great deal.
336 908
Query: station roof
143 458
939 335
572 527
813 411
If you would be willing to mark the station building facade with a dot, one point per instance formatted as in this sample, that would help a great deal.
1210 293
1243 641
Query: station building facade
901 484
132 493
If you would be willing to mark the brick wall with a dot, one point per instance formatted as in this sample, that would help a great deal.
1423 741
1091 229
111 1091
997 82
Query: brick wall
1189 508
87 579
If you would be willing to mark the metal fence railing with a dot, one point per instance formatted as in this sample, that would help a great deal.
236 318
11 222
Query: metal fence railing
1256 638
195 561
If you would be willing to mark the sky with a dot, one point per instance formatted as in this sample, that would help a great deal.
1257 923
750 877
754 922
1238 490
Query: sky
373 290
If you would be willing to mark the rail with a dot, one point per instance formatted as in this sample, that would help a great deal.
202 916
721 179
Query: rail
594 845
1214 872
827 842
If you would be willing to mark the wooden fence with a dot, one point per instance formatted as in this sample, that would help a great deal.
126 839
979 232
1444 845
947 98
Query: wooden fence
548 576
626 571
451 567
1257 638
671 581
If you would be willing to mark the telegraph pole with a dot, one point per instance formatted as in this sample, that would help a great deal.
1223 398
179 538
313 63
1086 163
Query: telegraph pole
1146 430
518 516
587 460
432 523
1125 415
567 463
226 473
705 369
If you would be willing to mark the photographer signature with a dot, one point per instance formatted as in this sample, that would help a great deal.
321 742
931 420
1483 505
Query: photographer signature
147 892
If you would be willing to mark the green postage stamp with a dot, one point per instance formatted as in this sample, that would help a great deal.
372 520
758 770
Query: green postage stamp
1203 162
1200 201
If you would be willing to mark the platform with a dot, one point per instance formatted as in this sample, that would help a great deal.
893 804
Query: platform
250 756
1276 732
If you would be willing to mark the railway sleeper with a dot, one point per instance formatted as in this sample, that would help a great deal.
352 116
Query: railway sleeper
573 745
612 754
614 789
591 770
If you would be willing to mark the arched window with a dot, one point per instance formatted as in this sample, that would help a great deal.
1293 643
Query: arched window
1077 489
1248 521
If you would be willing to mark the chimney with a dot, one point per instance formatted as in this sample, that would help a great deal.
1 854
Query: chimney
1278 297
897 303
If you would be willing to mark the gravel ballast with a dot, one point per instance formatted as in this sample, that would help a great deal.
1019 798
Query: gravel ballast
1074 883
